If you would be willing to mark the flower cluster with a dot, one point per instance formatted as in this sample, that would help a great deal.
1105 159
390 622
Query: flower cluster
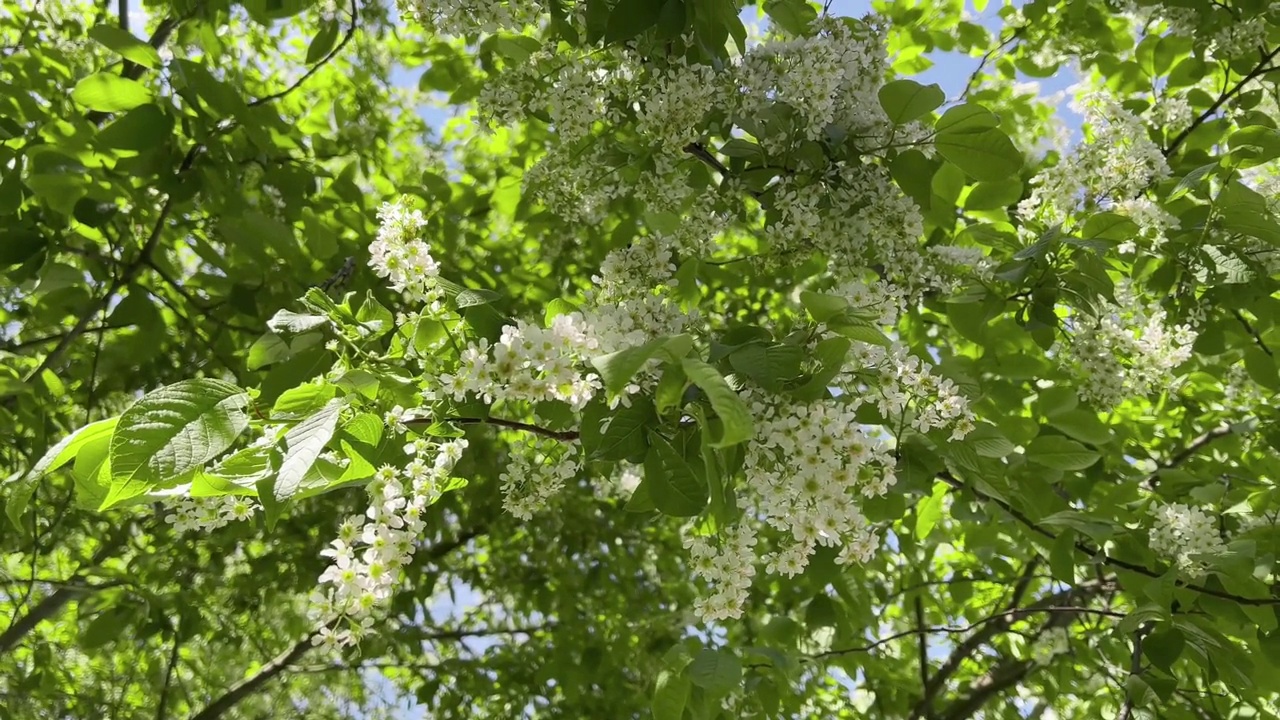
907 386
1186 536
529 364
537 469
631 301
829 78
399 255
370 551
466 17
208 513
806 468
727 563
1125 350
1051 643
1117 163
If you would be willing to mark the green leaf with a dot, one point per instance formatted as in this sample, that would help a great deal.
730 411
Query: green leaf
1083 425
126 45
172 431
733 412
629 18
823 307
624 437
142 128
670 696
929 511
474 297
300 401
994 195
286 322
769 366
325 38
907 100
670 391
674 487
1059 453
641 500
987 441
984 154
716 671
558 307
967 117
1062 557
108 92
830 355
617 369
302 446
20 486
1163 647
1261 368
794 16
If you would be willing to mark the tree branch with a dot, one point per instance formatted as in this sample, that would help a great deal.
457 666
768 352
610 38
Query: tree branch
130 271
283 662
1009 615
924 645
346 38
1007 674
562 435
1257 339
1094 552
973 77
1257 71
253 683
168 673
132 70
1135 668
55 601
995 624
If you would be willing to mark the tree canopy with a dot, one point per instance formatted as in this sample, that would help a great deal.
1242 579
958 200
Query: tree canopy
639 358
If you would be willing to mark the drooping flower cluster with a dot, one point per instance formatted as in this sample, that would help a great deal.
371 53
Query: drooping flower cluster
399 254
632 302
1186 536
727 563
849 211
208 513
1127 349
537 469
370 551
1117 163
829 78
807 466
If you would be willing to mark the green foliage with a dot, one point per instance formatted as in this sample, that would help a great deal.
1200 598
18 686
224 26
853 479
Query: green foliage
188 321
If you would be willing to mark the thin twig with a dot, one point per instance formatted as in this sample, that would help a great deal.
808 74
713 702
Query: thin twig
562 435
1257 339
346 38
1135 668
163 701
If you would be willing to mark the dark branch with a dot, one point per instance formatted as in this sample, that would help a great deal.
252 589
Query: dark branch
1257 339
562 435
253 683
1094 552
1135 668
1257 71
1060 602
346 38
168 673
